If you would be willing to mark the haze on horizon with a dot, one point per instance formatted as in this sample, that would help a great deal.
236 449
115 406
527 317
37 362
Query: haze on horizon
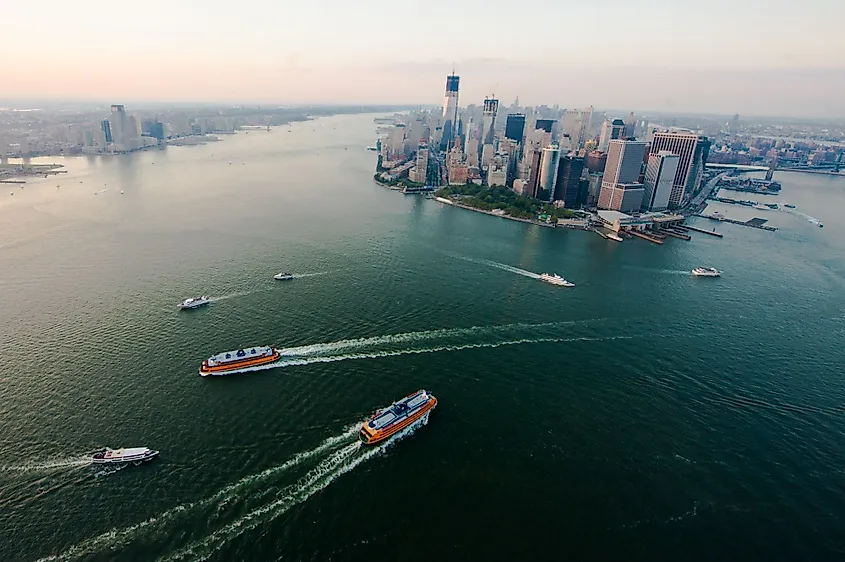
724 56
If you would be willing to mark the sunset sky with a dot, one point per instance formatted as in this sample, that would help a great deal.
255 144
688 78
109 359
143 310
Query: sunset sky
747 56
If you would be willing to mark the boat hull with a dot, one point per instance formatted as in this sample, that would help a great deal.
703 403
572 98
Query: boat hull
372 436
236 366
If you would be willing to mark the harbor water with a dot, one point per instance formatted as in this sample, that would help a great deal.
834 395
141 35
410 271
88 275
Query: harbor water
644 414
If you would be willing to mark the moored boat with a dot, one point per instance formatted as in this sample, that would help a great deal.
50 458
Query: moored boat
115 456
706 272
397 416
194 302
555 279
229 361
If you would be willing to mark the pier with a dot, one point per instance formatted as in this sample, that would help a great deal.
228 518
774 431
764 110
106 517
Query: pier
701 230
644 236
753 223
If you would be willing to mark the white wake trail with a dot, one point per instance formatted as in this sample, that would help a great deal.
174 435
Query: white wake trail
116 538
43 466
342 461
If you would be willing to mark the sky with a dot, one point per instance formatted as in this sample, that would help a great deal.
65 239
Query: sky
764 57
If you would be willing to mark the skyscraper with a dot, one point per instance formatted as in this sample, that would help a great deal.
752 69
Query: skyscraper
693 150
620 187
106 126
515 126
610 130
568 182
533 160
545 124
450 112
659 179
630 126
491 106
576 123
548 172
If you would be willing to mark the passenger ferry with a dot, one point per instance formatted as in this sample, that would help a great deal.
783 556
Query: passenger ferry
225 363
114 456
706 272
397 416
194 302
555 279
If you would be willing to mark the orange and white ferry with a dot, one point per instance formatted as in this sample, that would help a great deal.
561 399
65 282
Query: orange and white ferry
233 361
397 416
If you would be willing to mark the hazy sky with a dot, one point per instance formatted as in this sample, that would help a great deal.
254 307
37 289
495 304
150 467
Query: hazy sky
746 56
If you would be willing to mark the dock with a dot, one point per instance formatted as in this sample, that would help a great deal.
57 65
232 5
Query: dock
677 234
753 223
646 236
701 230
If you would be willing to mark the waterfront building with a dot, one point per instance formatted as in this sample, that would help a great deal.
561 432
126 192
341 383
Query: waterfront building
515 127
450 112
692 149
659 180
491 106
420 165
621 189
568 183
520 186
458 174
548 172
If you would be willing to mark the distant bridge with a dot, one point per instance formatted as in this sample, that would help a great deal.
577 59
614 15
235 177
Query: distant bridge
738 167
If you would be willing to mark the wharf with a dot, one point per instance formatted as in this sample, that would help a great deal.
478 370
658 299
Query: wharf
646 237
680 235
701 230
750 223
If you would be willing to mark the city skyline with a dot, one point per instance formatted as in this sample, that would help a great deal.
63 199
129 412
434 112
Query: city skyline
307 54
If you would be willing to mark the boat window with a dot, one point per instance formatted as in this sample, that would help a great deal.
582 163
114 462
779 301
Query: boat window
228 356
253 352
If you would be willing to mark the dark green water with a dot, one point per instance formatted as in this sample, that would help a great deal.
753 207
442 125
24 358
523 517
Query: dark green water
643 415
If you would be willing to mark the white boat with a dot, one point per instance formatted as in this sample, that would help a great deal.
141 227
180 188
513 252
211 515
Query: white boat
283 276
762 207
555 279
136 454
706 272
614 236
194 302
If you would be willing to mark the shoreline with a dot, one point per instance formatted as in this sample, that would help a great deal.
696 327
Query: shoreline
501 216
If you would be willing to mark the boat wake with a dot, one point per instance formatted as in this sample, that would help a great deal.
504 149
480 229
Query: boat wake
244 505
230 296
304 275
497 265
429 341
805 216
101 191
49 465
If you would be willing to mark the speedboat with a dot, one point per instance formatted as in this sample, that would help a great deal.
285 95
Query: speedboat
396 417
555 279
283 276
234 361
194 302
706 272
114 456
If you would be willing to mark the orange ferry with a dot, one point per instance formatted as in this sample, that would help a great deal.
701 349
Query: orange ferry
397 416
234 361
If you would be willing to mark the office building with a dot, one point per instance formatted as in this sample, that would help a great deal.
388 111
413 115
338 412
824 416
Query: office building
491 106
515 126
532 169
450 112
568 183
487 152
596 161
497 174
620 187
630 127
548 172
659 180
692 150
106 127
545 124
593 189
576 124
420 165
